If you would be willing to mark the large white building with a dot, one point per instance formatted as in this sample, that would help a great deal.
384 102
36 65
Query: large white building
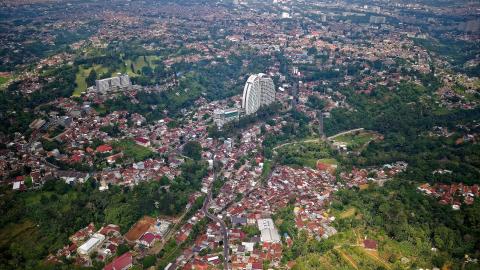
268 231
108 84
92 243
258 91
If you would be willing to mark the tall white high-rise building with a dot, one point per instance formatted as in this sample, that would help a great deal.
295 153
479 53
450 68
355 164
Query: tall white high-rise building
258 91
120 81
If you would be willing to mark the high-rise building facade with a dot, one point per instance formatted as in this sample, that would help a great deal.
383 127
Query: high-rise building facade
258 91
108 84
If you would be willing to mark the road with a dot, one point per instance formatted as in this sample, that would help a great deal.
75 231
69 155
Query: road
345 132
316 140
224 229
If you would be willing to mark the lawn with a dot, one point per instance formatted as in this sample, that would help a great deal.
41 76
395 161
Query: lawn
132 150
347 213
329 161
356 139
82 74
4 80
138 64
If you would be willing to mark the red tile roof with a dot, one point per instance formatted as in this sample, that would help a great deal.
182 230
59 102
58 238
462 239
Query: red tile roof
104 148
141 140
148 237
370 244
120 263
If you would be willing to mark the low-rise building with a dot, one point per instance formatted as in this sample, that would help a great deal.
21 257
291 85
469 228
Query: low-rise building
88 247
268 231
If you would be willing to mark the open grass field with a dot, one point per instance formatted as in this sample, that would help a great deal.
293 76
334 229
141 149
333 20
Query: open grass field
82 74
138 64
350 212
132 150
356 138
363 186
330 161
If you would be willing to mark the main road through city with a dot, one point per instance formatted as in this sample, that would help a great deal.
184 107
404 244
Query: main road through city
224 230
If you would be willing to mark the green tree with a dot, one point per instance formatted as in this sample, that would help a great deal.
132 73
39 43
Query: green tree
148 261
315 102
90 80
193 149
122 248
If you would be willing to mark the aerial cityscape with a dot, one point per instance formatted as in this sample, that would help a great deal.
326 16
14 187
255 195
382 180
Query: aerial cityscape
240 134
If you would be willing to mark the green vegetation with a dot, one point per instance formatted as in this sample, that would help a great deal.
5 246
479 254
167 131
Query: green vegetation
36 223
315 102
267 169
57 82
456 51
356 140
285 221
143 70
406 224
251 230
303 153
4 80
295 129
111 130
171 250
330 161
84 79
350 212
148 261
193 150
172 100
132 150
217 185
400 116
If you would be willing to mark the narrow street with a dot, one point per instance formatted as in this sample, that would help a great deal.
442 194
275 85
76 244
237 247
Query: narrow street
226 248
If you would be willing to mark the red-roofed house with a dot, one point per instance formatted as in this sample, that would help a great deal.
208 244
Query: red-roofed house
257 266
142 141
199 265
370 244
148 239
121 263
104 148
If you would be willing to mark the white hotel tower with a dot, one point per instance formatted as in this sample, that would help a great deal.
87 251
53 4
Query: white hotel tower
258 91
